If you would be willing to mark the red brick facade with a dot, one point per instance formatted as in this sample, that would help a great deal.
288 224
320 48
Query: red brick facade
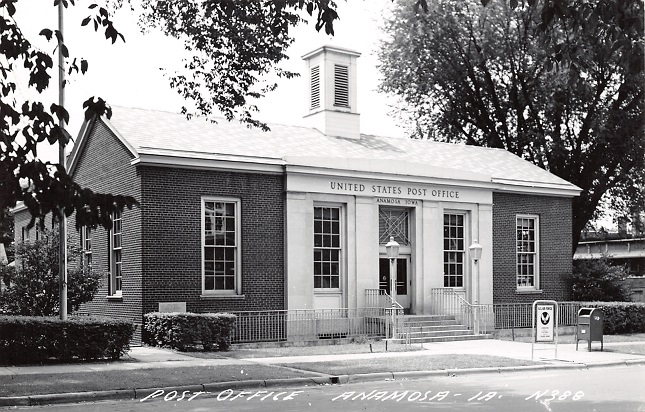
555 249
171 205
104 166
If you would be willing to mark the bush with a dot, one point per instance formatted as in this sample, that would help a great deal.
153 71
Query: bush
183 330
621 318
32 287
595 280
34 339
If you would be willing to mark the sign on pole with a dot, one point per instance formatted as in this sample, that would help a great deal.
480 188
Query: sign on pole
545 324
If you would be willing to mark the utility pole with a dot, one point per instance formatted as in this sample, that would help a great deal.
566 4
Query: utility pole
62 231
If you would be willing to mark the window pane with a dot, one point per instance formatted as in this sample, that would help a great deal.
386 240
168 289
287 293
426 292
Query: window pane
327 246
454 252
220 241
526 229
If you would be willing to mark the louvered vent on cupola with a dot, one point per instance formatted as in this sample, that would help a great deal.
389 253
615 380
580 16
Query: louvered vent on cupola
341 85
332 100
315 87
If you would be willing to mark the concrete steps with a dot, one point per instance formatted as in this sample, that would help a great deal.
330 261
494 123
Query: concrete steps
434 328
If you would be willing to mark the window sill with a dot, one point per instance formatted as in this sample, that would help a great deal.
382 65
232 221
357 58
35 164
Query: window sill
529 291
214 296
115 298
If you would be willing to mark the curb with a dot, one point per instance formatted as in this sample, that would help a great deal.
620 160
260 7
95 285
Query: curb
209 388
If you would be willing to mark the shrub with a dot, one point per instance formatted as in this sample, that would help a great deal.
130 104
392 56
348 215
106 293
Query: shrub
595 280
32 287
621 317
32 339
182 330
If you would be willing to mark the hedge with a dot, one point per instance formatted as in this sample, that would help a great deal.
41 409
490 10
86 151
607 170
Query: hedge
620 317
181 330
36 339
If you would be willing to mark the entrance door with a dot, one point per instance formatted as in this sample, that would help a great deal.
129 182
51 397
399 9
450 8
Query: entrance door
402 279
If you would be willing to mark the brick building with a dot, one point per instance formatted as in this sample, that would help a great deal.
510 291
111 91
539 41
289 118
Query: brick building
233 218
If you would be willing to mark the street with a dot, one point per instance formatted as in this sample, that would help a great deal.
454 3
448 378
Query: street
610 389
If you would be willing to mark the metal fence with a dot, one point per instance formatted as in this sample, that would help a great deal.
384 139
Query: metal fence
518 315
305 325
380 319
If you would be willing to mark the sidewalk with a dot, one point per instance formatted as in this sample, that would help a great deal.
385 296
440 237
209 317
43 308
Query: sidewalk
156 358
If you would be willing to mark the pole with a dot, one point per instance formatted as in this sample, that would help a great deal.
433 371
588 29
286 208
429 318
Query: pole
393 294
477 297
62 231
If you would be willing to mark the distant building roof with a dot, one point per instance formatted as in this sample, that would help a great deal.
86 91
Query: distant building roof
154 135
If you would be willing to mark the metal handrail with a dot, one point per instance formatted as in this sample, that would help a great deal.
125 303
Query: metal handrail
472 314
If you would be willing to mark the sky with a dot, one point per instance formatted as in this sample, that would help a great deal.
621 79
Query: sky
127 74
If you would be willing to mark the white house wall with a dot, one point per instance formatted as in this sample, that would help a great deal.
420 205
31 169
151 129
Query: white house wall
360 200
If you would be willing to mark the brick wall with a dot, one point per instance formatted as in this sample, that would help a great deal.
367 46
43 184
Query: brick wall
555 250
171 207
104 166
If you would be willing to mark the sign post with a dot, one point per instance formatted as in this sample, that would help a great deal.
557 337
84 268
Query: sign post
545 324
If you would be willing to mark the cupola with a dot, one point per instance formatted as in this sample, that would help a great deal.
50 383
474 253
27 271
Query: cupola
332 103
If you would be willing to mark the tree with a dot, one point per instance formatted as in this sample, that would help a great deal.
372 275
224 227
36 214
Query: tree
596 280
558 86
31 288
233 44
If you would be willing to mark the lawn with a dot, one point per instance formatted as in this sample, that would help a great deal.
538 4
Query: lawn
410 363
32 384
375 346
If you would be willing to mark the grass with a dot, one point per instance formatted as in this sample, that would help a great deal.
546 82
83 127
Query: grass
20 385
377 346
411 363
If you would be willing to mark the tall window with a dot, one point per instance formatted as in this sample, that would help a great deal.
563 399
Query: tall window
327 248
86 247
221 239
453 250
527 252
116 249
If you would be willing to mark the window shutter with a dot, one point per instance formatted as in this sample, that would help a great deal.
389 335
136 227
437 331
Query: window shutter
315 87
341 85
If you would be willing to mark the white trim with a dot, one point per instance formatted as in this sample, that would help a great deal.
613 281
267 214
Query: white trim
237 290
192 160
86 127
536 261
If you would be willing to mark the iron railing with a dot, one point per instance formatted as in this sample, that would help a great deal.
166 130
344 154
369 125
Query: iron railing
477 318
305 325
518 315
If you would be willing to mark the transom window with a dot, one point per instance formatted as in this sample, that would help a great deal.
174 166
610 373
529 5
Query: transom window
394 222
116 255
453 250
220 223
527 251
327 247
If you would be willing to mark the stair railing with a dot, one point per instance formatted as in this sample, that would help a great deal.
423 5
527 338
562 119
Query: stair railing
391 310
446 301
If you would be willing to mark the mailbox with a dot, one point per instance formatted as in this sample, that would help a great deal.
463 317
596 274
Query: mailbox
590 325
